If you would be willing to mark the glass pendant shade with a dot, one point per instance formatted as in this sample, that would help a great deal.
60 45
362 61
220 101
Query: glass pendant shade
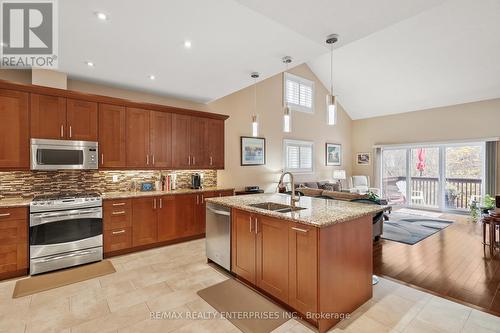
332 109
287 126
255 126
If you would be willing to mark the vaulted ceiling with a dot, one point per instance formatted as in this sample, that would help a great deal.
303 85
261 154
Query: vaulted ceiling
393 56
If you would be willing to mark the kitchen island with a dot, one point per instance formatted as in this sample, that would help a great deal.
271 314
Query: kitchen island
315 258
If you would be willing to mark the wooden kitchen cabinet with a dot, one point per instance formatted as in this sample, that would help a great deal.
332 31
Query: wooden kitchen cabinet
272 256
181 132
243 245
137 138
161 139
215 143
117 225
48 117
112 136
14 130
169 226
185 213
198 140
13 242
144 221
81 119
303 267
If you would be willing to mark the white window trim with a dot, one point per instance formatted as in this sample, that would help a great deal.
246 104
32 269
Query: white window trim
301 80
298 142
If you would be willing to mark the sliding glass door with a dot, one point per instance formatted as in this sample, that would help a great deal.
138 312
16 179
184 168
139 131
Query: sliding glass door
438 177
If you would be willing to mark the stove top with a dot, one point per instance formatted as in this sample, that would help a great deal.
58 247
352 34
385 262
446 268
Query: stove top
65 201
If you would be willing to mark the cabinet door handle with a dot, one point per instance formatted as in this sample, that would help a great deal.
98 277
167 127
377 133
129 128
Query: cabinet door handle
4 214
147 159
194 161
102 158
153 159
161 203
189 160
197 199
119 204
122 212
256 226
62 131
300 230
211 159
250 220
70 132
202 198
154 203
118 232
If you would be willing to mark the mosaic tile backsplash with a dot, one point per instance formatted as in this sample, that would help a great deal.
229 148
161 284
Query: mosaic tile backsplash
30 183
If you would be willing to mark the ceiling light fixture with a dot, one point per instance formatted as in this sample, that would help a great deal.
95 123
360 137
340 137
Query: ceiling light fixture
287 126
255 120
89 63
152 77
331 99
187 44
101 16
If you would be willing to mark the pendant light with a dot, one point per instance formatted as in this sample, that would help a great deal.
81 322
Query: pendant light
287 125
255 120
331 99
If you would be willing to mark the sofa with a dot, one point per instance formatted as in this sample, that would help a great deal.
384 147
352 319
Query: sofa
378 220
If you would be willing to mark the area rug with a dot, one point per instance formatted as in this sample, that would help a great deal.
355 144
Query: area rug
38 283
243 307
412 228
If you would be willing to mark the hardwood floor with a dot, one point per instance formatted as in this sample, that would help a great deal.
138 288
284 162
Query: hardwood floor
450 263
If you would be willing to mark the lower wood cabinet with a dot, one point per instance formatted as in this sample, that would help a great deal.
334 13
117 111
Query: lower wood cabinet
244 245
13 241
135 222
144 221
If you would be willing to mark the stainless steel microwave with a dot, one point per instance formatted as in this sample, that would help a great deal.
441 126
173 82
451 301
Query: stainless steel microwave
63 154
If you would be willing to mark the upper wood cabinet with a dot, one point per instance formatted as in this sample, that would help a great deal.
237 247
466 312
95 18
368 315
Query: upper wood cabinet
138 136
198 139
82 120
181 132
215 143
60 118
14 130
161 139
48 117
112 136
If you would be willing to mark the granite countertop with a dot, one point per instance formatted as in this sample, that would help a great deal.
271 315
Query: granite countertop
24 202
318 212
124 195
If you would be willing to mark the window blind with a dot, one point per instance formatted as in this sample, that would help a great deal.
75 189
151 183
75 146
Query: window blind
298 156
299 93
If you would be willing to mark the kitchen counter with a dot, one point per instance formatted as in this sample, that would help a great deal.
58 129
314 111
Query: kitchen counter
318 212
125 195
24 202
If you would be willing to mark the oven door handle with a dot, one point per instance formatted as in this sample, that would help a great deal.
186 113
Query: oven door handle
74 254
61 216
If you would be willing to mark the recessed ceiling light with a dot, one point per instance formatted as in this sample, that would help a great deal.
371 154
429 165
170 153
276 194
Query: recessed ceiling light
187 44
2 44
101 16
89 63
152 77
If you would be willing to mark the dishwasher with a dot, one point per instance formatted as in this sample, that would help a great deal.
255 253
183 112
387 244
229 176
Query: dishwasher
218 235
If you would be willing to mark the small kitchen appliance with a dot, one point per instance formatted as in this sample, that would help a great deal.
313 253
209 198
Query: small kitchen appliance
196 181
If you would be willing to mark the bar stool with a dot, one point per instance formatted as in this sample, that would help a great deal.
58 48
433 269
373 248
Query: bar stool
493 221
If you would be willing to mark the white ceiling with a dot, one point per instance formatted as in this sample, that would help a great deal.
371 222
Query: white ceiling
393 56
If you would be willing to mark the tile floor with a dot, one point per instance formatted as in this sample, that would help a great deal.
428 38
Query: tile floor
166 279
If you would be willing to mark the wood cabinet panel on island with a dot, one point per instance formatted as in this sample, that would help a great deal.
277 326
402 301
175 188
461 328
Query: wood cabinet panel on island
14 129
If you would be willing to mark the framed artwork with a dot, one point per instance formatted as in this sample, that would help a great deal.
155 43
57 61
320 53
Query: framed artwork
363 158
253 151
333 154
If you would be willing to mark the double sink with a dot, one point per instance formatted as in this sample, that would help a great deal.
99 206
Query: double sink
276 207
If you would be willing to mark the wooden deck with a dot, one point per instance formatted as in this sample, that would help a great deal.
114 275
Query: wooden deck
450 263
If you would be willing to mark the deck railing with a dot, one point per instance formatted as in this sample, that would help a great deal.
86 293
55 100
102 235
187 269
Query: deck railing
425 191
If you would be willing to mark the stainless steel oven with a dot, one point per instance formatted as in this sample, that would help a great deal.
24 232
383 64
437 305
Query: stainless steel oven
63 154
65 231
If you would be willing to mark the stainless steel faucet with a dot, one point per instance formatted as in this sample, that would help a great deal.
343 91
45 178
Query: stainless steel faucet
293 198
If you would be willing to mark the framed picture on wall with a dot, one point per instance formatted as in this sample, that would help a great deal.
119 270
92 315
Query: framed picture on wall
363 158
333 154
253 151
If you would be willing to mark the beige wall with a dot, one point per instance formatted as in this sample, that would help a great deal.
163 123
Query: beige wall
457 122
240 107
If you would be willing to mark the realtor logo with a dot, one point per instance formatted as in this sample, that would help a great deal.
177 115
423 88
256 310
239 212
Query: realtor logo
29 33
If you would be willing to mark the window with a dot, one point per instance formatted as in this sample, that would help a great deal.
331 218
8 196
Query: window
298 155
299 93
